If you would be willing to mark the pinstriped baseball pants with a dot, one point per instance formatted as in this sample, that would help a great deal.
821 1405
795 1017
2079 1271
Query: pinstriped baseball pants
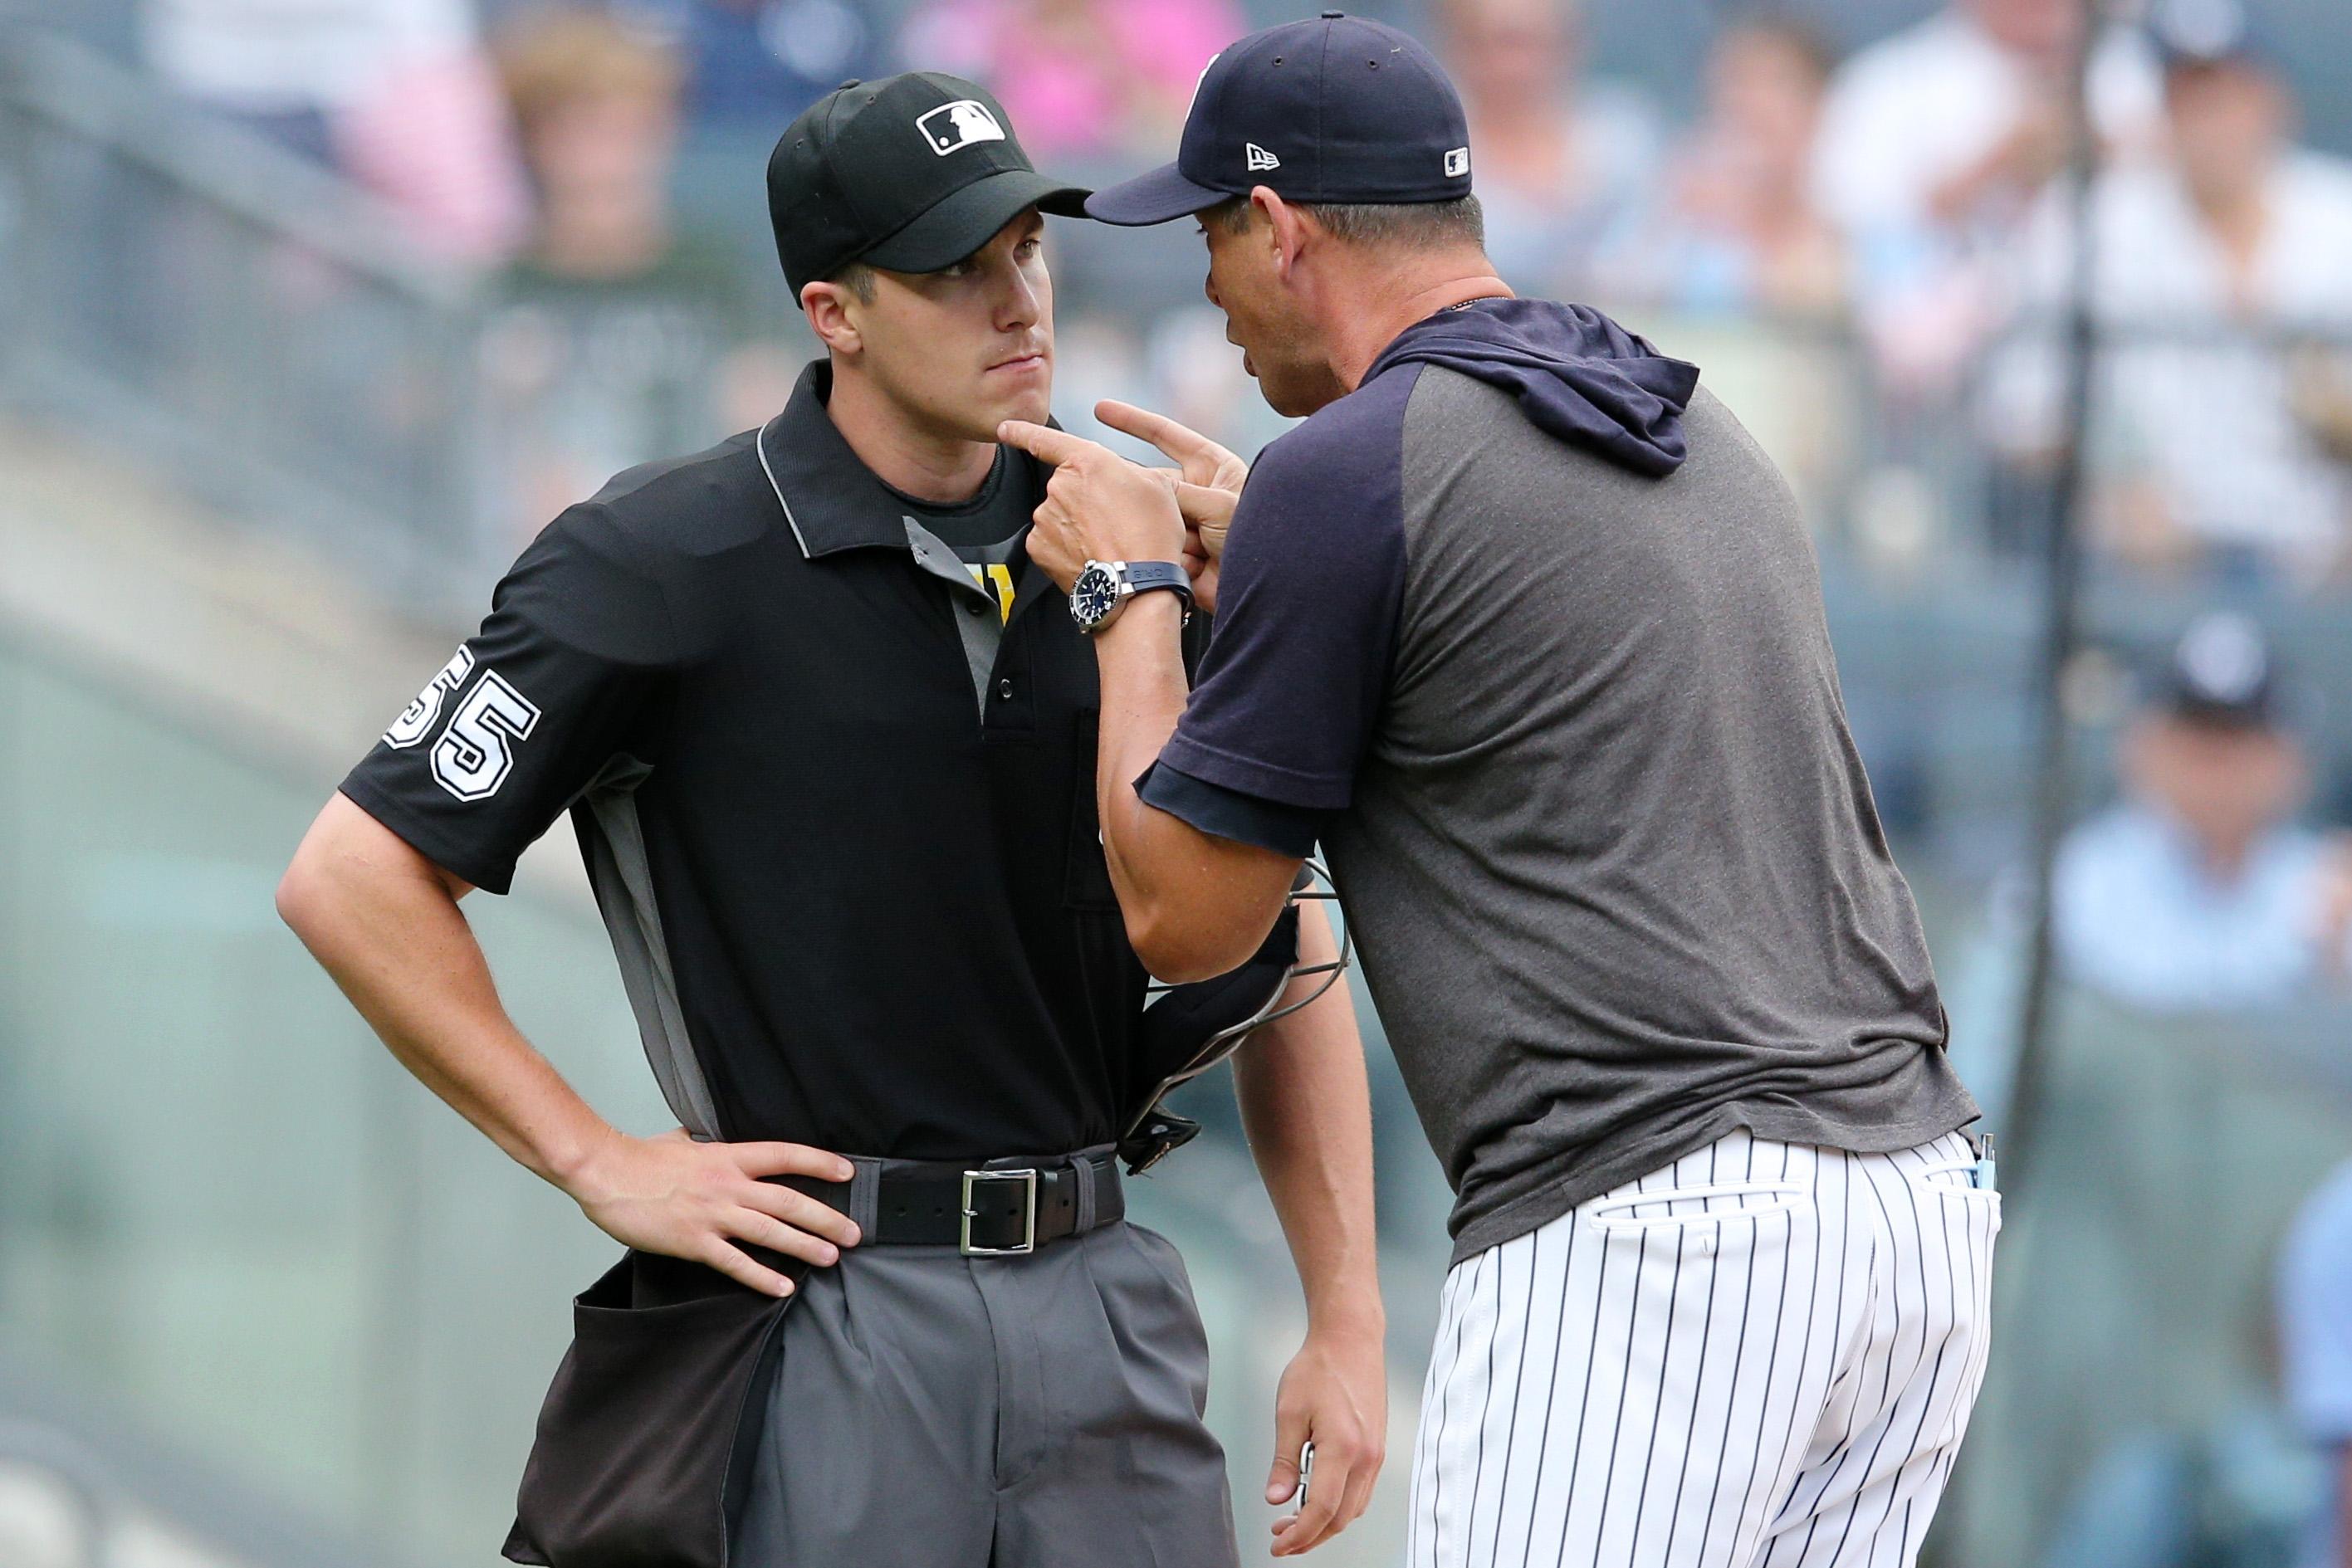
1762 1357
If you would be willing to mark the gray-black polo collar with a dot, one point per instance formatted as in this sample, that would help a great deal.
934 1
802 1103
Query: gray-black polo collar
833 501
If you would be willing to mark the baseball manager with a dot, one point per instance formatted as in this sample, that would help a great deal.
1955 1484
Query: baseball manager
1525 629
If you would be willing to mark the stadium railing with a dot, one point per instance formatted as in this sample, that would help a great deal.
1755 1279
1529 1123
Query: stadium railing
228 311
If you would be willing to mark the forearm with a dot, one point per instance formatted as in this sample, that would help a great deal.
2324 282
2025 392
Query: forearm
383 924
1141 664
1306 1109
1196 905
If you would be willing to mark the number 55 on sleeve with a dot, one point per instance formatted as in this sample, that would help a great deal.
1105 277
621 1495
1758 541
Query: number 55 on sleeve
535 706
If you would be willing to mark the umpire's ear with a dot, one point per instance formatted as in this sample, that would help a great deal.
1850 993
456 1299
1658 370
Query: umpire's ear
832 309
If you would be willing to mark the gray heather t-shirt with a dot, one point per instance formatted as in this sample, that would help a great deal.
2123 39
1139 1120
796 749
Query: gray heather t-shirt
1540 652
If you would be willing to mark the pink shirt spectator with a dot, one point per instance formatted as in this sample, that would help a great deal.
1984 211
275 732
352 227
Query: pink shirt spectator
433 139
1078 76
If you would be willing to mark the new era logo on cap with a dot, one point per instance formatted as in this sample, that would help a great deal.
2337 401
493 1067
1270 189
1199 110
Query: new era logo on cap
953 127
1363 111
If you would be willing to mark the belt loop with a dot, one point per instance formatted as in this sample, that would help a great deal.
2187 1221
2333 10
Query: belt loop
865 1206
1082 1172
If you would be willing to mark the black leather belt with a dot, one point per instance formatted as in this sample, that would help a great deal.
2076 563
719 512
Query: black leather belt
984 1211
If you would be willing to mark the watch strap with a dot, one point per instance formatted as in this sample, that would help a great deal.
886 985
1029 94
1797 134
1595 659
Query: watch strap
1142 576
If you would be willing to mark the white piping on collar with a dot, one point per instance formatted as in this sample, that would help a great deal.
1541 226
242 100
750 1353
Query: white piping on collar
760 445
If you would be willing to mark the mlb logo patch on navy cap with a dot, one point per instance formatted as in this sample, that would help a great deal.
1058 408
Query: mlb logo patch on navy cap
1335 110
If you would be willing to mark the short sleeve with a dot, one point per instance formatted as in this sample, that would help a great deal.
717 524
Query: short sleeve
1230 814
1309 594
2315 1314
530 710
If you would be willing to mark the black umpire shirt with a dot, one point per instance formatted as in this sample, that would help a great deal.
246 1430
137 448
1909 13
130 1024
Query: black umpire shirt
835 795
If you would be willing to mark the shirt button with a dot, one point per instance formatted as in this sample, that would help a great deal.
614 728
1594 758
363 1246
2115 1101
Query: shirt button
1004 689
974 606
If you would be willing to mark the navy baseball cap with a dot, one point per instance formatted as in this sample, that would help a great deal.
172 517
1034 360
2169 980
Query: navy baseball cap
911 173
1335 110
2192 33
2221 674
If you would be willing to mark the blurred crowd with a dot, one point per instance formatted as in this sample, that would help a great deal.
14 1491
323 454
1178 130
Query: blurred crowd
2203 900
1904 208
1876 253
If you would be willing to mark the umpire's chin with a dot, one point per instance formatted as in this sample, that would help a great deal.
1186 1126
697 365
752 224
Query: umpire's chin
1020 386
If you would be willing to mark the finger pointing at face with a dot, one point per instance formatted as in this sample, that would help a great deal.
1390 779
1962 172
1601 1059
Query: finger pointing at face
1098 506
1049 446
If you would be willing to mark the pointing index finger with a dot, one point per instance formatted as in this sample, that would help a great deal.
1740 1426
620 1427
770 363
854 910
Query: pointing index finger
1177 441
1043 443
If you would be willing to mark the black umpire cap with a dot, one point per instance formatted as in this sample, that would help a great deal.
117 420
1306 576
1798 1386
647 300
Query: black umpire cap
912 173
1335 110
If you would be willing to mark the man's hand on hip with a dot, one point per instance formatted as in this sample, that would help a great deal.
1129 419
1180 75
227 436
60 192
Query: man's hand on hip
1335 1391
687 1199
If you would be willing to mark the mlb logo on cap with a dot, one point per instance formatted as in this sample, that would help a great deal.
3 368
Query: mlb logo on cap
1360 111
954 126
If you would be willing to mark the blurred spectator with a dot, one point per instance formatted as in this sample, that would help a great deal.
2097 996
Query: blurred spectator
1737 230
2316 1338
617 339
397 94
2198 891
1561 164
2237 1492
1081 78
1933 145
757 63
2220 424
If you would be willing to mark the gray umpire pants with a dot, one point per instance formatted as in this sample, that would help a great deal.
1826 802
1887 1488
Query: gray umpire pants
939 1411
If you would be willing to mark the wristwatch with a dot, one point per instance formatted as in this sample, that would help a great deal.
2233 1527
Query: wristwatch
1104 587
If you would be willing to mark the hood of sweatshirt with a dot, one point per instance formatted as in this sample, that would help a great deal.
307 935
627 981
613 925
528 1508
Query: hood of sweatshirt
1577 374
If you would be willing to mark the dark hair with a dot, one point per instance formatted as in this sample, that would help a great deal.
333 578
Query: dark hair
857 278
1417 225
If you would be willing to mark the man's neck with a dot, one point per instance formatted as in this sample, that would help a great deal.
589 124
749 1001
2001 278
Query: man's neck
2223 861
924 464
603 239
1382 303
2237 216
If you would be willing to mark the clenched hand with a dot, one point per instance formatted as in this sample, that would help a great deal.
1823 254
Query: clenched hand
1101 507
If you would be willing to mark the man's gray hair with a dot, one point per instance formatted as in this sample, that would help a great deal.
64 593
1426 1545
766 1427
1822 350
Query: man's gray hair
1413 225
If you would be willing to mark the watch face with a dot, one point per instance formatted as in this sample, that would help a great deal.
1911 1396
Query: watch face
1093 595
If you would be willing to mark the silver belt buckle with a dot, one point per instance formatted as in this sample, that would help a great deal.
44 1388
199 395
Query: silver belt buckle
1029 1227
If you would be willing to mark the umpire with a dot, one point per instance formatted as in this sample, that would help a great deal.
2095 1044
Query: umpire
827 740
1526 630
